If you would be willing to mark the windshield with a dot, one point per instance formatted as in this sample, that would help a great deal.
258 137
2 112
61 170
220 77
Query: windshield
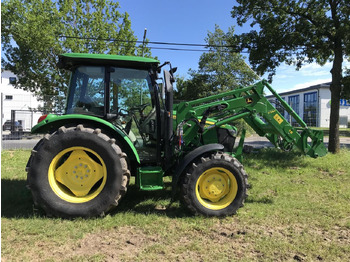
127 88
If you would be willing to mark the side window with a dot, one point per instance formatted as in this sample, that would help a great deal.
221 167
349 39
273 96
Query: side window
88 90
95 90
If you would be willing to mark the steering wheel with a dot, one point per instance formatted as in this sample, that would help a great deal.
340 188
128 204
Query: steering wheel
140 108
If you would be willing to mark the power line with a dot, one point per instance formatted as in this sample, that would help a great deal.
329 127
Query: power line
178 49
158 43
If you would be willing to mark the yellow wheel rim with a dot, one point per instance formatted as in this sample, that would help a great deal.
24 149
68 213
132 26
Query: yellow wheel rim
216 188
77 174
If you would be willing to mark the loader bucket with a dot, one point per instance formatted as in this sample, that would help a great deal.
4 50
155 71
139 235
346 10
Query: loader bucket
316 148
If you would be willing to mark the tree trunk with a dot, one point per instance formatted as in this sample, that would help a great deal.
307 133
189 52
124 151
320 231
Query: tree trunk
334 144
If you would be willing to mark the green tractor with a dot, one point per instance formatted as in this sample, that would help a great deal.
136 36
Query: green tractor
121 122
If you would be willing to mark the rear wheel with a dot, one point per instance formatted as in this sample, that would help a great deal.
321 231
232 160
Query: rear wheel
215 185
77 171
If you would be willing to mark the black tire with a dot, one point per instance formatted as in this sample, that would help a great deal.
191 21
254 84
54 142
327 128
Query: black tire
215 185
77 172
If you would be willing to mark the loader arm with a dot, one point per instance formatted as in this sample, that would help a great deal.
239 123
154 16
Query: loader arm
250 104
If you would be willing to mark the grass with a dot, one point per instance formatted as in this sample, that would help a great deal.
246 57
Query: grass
342 131
297 210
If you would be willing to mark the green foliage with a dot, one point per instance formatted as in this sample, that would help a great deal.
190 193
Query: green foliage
297 32
220 69
32 39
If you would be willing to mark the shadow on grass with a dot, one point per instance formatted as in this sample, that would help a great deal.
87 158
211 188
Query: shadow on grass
16 199
17 202
152 202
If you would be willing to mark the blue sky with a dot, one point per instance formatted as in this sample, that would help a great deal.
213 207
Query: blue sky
189 22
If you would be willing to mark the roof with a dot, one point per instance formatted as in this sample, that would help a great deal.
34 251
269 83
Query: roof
304 89
69 60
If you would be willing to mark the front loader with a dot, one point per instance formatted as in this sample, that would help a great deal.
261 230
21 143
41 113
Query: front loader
120 122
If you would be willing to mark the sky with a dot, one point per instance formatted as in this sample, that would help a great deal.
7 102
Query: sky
189 22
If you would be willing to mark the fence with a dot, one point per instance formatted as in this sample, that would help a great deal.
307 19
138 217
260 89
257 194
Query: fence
19 113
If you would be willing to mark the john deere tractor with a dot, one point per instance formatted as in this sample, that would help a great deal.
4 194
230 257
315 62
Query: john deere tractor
121 121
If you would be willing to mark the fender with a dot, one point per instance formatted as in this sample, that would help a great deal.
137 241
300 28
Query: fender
53 122
190 157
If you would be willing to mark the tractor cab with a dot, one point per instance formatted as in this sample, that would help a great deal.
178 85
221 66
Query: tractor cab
121 90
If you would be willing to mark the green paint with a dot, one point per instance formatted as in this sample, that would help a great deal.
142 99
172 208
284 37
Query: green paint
110 57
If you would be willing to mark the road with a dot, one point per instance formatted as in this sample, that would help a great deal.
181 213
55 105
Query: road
254 141
18 144
260 142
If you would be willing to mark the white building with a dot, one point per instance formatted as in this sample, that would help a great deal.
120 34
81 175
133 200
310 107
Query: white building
313 105
17 102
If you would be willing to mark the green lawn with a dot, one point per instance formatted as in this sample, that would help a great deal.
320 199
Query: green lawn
298 209
342 131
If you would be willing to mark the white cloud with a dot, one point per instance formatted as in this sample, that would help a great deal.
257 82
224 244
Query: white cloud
283 76
312 83
317 73
314 69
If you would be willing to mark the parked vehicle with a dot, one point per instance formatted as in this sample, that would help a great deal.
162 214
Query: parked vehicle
14 126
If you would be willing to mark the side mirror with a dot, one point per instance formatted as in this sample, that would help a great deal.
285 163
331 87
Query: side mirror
168 81
173 70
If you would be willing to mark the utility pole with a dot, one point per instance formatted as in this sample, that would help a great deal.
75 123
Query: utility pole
144 39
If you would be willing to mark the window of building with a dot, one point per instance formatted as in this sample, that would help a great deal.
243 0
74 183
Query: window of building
310 109
293 101
277 104
8 97
12 80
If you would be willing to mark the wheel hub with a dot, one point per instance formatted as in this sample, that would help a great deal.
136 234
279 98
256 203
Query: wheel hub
78 173
216 188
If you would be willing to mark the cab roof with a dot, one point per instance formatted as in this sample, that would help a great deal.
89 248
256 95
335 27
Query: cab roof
71 60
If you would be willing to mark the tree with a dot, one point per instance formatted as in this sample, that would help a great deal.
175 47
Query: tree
220 69
298 32
35 32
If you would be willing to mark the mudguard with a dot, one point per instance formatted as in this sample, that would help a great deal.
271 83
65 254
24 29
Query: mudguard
190 157
53 122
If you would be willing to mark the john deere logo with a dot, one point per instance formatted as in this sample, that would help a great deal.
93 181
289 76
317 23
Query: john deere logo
249 100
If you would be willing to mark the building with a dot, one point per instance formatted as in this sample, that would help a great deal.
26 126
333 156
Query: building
17 105
313 105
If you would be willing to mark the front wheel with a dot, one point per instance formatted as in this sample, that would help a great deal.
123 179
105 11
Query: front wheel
77 171
215 185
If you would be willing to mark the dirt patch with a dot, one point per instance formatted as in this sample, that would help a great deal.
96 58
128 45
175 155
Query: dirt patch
118 244
235 236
